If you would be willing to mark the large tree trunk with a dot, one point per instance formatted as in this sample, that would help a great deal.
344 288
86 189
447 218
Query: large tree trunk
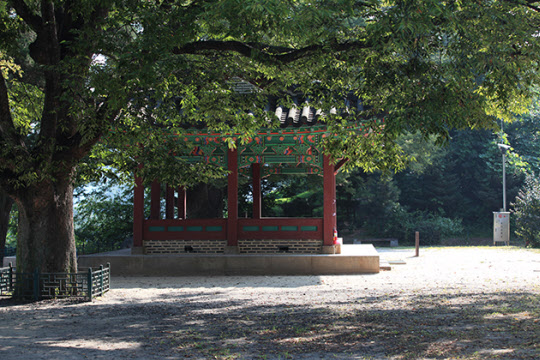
5 208
46 239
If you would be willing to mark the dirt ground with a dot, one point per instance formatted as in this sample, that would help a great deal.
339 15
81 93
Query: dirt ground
450 303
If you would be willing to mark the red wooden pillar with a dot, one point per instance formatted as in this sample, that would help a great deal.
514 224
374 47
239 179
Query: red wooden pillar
138 212
182 203
257 198
329 202
155 194
169 203
232 197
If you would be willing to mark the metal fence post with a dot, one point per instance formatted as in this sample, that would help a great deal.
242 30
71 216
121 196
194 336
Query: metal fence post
108 276
101 280
36 284
417 244
90 284
10 281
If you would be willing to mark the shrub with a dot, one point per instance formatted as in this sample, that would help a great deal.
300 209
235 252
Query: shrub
527 212
433 228
400 224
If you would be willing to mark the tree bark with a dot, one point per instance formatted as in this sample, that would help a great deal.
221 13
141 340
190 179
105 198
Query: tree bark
5 208
46 238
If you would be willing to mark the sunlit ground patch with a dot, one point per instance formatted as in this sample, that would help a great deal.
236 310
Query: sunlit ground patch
92 344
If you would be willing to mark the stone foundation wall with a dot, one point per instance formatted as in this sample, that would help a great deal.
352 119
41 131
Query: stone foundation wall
184 246
244 246
280 246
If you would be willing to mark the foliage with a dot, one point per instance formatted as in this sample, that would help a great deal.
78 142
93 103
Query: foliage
363 198
285 196
6 204
527 212
524 136
188 52
445 187
460 180
298 196
121 79
424 153
11 237
103 218
429 186
466 179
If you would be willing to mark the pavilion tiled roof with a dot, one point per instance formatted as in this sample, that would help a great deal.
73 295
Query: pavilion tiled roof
303 112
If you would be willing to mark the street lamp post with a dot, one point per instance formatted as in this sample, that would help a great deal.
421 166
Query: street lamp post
504 148
501 220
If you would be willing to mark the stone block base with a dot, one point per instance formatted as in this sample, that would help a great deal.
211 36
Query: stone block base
184 246
137 250
355 259
295 246
290 246
329 249
231 250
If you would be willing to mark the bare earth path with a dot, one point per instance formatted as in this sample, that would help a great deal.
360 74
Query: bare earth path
451 303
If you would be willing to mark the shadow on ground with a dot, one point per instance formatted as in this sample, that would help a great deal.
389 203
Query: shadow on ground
455 325
208 282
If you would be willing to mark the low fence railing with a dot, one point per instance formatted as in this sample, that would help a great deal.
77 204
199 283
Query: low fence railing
280 228
191 229
38 286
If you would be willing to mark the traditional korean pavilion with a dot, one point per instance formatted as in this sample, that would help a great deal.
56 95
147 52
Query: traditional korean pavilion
292 149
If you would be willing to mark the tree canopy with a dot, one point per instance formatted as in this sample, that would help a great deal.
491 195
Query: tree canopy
106 78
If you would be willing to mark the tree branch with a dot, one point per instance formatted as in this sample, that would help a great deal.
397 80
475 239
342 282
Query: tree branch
12 146
51 30
7 129
526 3
76 149
372 5
266 53
532 7
49 117
340 164
33 20
529 4
168 4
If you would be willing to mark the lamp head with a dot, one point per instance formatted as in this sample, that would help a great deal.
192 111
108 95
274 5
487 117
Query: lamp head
504 148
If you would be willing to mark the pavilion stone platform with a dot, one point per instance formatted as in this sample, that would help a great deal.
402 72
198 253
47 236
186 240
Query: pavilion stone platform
354 259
